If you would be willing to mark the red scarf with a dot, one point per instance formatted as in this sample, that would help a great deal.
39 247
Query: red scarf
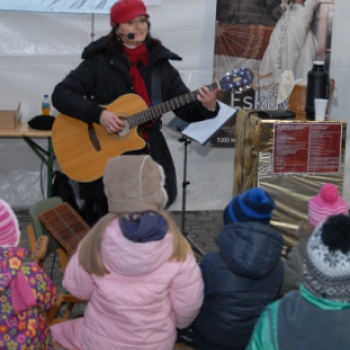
137 55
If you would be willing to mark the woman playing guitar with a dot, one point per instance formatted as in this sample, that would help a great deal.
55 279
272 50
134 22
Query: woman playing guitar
121 63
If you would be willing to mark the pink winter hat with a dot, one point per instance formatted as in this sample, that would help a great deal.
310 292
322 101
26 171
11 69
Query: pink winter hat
327 203
9 228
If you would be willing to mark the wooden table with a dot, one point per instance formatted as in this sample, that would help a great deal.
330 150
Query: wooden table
28 135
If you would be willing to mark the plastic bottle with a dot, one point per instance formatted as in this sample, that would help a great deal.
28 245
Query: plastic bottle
317 87
46 105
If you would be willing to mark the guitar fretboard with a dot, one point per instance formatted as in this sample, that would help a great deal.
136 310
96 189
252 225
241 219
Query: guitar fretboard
158 110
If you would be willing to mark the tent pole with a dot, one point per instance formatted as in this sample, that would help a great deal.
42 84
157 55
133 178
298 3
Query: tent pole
92 27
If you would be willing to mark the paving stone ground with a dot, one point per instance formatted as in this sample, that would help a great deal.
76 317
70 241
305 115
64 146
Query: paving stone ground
200 228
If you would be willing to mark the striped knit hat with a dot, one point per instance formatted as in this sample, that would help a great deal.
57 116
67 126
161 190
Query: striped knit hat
328 202
252 205
9 228
327 266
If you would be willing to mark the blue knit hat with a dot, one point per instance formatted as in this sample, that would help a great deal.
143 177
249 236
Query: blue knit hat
252 205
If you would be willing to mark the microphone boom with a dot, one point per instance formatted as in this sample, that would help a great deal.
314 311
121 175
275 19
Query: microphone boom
130 36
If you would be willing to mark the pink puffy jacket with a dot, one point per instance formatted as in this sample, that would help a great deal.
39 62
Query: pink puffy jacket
139 304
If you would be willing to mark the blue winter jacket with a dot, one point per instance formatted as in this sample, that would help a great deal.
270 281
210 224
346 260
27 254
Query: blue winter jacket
240 280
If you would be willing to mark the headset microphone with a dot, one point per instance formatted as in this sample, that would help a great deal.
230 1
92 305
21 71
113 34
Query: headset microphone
130 36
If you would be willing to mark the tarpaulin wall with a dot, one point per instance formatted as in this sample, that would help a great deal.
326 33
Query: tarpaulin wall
38 49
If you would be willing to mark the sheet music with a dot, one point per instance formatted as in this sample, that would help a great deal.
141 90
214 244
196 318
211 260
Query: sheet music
203 131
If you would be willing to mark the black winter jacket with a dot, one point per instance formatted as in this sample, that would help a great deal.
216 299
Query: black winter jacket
240 281
103 76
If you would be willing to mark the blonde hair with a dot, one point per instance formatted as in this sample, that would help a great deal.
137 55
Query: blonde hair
90 258
181 247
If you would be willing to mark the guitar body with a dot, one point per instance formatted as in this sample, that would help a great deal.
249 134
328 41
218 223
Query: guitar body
79 157
74 150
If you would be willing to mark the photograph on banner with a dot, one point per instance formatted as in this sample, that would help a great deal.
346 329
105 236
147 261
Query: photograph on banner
277 40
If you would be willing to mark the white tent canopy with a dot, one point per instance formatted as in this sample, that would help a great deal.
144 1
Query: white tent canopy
38 49
64 6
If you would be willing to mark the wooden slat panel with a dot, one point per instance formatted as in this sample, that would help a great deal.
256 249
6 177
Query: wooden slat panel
66 225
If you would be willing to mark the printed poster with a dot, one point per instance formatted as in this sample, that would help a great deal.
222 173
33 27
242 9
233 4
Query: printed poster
253 34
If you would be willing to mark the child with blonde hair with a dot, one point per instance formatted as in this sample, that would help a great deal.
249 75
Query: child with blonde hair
134 266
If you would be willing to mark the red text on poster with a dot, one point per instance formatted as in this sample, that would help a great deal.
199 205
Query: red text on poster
307 148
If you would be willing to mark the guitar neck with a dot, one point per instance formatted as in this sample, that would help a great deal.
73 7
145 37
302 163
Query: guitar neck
156 111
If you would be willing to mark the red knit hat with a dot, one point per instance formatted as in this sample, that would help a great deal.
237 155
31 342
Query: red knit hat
125 10
327 203
9 228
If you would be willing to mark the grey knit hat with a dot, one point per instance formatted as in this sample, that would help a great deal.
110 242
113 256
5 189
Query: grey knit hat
327 266
134 183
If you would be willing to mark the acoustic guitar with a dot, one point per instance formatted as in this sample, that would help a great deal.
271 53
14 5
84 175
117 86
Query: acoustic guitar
82 150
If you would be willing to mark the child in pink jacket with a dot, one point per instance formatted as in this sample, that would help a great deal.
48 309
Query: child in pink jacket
135 267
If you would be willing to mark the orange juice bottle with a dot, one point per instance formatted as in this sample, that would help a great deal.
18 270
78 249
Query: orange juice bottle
46 105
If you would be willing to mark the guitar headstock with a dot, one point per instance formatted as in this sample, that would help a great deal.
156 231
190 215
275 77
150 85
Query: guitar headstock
237 80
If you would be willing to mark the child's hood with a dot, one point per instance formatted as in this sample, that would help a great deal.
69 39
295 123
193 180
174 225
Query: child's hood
136 248
250 249
12 258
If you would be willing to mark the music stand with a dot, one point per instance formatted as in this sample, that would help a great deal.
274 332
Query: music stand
178 125
201 132
186 141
